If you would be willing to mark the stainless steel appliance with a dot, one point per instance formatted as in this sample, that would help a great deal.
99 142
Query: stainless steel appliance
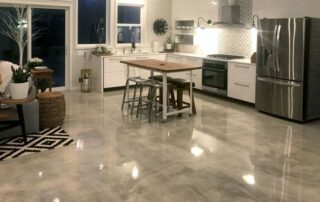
288 68
215 73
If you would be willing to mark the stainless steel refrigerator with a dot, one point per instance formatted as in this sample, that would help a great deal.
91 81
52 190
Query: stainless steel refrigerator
288 68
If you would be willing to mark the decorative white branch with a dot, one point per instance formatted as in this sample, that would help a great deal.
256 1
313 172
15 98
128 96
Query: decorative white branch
15 27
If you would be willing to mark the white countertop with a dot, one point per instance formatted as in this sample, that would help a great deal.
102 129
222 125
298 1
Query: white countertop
243 61
129 55
196 55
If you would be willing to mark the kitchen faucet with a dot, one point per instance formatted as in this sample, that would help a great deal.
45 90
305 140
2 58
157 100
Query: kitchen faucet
133 40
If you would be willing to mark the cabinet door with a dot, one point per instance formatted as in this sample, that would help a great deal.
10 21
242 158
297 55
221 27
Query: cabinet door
193 61
114 73
113 65
196 74
177 59
114 79
174 58
196 78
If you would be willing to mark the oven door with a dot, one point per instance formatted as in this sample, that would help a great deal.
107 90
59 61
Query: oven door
214 77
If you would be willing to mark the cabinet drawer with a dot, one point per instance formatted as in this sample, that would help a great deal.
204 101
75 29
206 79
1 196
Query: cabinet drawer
242 90
114 79
174 58
193 61
242 72
113 65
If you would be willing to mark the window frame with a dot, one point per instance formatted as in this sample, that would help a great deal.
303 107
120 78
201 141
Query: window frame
107 27
142 25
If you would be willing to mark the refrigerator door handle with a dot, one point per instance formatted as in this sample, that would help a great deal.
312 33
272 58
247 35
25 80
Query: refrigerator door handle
278 48
284 83
274 46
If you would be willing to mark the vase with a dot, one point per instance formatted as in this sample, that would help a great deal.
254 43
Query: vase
86 85
169 46
19 90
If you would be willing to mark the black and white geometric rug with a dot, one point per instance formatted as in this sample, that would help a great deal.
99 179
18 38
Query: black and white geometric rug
47 139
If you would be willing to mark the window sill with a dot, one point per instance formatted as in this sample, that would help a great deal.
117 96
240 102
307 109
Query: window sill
90 46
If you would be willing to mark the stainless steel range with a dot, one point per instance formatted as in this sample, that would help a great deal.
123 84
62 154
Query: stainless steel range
215 73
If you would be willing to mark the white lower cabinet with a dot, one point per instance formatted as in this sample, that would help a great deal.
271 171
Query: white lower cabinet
115 73
242 81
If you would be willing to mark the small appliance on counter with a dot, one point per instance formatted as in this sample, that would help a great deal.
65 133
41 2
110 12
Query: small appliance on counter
215 73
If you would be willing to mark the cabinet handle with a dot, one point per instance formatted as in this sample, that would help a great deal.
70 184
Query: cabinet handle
116 59
141 58
241 66
191 59
240 84
171 56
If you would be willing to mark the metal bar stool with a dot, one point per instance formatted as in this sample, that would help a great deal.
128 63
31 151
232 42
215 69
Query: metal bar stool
151 99
138 82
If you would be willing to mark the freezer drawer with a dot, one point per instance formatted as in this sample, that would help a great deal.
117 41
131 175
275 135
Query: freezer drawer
280 97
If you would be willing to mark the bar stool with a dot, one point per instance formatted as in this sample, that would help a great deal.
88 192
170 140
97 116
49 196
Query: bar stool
182 85
151 99
138 82
170 89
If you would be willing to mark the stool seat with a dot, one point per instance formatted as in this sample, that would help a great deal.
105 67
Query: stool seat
181 83
159 78
137 79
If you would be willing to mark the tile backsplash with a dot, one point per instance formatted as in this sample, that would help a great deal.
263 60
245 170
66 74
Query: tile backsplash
236 39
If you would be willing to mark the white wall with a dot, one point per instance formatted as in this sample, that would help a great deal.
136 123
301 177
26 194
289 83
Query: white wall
192 10
158 9
286 8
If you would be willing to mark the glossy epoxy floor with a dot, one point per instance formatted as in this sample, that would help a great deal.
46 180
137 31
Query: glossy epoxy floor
227 152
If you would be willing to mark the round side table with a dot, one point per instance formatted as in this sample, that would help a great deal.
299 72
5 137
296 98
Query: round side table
10 124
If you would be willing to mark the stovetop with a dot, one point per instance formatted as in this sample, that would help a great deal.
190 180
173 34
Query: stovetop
224 57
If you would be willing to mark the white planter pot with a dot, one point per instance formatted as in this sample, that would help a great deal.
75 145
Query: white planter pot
169 46
86 84
19 90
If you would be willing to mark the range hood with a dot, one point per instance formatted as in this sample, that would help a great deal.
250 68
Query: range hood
230 15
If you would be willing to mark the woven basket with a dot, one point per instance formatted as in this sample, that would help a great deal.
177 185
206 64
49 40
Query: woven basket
52 109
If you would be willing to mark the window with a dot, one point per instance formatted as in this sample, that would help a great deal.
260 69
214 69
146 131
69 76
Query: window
129 24
9 50
92 21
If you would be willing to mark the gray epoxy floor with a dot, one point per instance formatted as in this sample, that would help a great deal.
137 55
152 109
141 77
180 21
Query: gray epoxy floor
227 152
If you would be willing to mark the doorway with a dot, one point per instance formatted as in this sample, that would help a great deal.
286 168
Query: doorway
50 45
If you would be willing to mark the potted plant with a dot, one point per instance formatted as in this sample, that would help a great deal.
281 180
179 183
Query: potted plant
85 82
20 85
35 62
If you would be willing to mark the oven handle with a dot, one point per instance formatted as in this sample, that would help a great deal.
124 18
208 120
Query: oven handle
213 70
214 62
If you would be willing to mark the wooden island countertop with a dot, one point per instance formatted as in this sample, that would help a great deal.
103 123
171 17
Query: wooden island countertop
160 65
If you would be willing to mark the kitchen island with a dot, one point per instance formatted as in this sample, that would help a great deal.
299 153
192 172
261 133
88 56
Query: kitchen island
164 68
